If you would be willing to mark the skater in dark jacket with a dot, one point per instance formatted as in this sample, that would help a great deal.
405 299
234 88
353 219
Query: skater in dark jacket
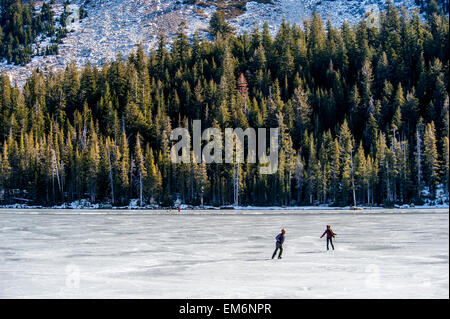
279 244
330 234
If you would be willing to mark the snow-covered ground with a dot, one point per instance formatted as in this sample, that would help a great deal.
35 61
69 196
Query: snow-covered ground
295 11
223 254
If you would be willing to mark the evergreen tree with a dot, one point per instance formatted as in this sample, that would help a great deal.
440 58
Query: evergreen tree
430 160
141 168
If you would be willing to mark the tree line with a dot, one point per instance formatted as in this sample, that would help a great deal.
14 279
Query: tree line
362 111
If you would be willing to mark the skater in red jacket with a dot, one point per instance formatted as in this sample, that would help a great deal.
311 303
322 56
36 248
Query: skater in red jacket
330 234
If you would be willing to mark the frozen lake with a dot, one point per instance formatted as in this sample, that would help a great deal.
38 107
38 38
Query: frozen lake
223 254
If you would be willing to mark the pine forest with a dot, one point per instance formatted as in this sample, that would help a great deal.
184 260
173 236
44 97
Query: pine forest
362 111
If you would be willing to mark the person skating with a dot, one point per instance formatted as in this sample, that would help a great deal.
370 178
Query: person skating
330 235
279 244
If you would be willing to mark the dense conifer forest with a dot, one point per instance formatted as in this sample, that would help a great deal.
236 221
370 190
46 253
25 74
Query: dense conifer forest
363 113
23 28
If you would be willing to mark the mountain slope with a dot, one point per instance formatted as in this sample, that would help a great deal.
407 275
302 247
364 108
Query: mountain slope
116 26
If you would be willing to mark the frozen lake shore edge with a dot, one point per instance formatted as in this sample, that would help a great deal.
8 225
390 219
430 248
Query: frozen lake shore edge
226 211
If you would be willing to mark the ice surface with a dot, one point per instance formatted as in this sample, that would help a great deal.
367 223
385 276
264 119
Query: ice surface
223 254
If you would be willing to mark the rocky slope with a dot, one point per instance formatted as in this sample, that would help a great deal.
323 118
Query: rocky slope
116 26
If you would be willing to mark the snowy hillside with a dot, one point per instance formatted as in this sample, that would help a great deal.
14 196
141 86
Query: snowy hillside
116 26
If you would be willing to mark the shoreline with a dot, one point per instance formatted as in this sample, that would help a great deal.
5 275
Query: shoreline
240 209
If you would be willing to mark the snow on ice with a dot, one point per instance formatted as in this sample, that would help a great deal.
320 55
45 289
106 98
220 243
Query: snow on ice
223 254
